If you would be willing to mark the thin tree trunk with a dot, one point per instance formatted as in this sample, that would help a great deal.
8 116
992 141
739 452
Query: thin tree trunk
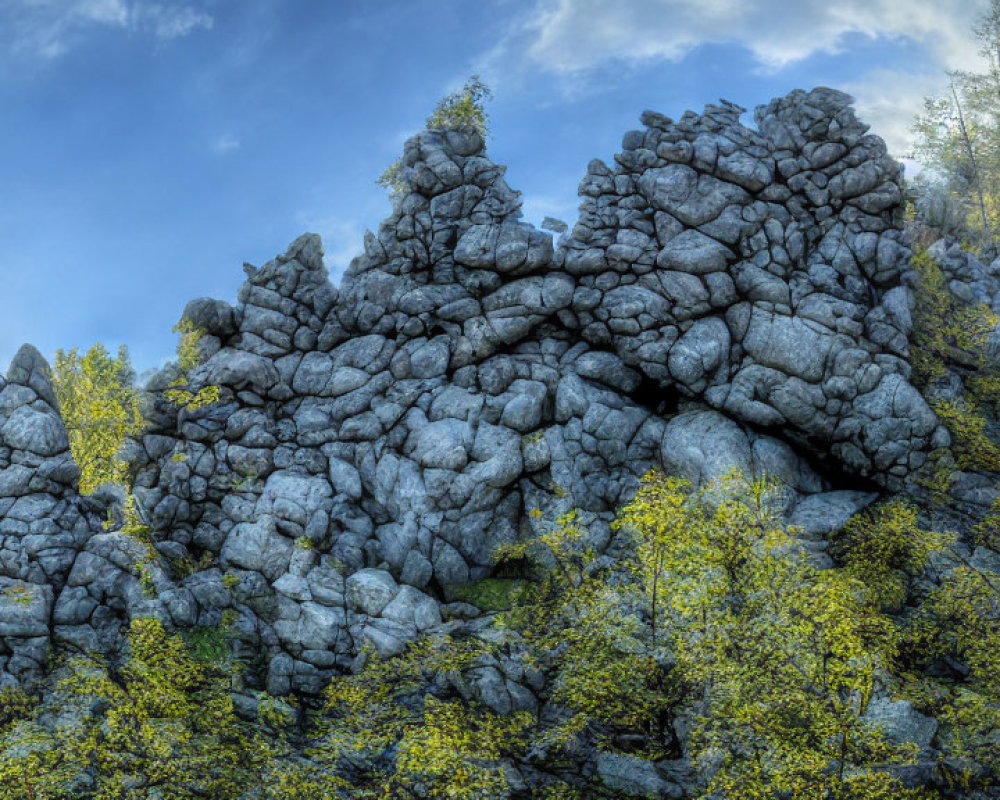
972 158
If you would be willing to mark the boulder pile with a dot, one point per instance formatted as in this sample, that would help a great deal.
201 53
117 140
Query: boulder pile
729 298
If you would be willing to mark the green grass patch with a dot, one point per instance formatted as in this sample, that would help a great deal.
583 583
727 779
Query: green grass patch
490 594
209 644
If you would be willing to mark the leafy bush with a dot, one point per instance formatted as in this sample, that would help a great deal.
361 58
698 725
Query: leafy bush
780 658
883 547
166 729
100 409
189 356
404 741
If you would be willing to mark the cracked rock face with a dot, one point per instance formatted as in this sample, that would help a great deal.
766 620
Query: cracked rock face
42 523
758 272
374 444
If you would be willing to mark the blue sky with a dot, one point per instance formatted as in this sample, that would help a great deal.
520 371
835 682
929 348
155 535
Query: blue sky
149 148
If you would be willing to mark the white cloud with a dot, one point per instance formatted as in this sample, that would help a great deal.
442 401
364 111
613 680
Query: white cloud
889 99
574 39
575 36
47 29
227 143
169 22
106 12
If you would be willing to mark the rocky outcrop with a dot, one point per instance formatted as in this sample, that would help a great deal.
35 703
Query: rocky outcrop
43 524
758 271
729 298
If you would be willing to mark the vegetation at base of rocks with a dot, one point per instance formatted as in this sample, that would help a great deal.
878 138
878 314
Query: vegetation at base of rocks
949 338
712 633
884 548
400 730
100 408
16 705
462 109
166 729
954 638
782 656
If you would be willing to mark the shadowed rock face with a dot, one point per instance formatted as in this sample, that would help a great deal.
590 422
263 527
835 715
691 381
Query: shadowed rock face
373 445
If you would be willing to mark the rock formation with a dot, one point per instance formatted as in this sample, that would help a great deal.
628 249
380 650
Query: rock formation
728 298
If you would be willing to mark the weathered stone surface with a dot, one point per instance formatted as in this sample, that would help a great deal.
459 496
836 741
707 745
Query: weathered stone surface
900 722
635 777
821 514
373 444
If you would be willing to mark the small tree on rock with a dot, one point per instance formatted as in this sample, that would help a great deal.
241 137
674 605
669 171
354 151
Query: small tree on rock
462 109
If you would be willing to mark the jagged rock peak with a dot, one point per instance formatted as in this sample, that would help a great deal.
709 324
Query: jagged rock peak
29 368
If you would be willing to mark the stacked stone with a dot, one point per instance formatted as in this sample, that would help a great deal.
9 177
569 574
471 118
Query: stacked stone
373 446
758 271
42 524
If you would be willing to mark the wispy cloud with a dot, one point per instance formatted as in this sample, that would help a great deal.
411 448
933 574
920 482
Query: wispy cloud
343 239
576 40
888 100
46 29
577 36
169 21
225 144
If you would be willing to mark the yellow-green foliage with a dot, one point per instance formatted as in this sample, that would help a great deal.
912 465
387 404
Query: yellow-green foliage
15 706
967 607
943 328
584 630
945 331
186 565
452 754
938 475
780 657
883 547
189 357
462 109
972 447
167 730
100 408
447 748
960 620
986 532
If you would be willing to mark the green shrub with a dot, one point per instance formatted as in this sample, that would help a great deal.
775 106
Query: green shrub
883 547
462 109
490 594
